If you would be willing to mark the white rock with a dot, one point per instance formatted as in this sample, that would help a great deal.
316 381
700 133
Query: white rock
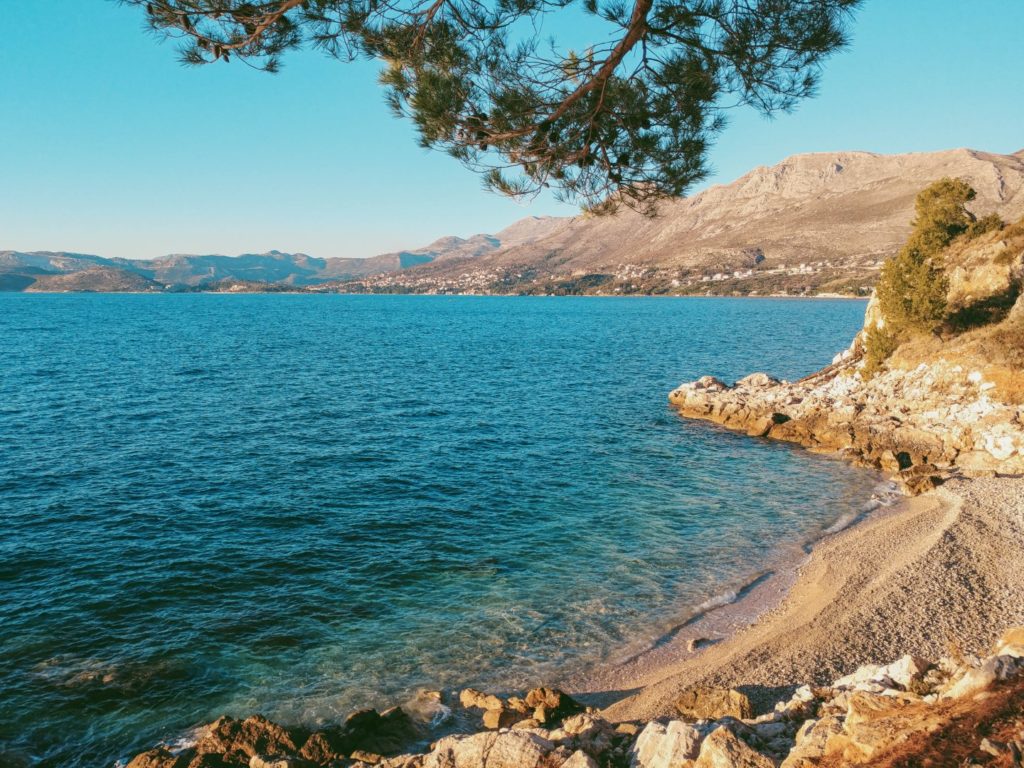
665 746
981 678
723 749
906 670
509 749
580 759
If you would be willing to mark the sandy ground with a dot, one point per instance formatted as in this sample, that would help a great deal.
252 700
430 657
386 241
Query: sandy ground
941 570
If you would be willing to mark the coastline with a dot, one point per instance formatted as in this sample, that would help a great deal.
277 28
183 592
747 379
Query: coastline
799 297
724 615
864 594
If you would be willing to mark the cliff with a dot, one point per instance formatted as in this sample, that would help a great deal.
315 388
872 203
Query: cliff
946 403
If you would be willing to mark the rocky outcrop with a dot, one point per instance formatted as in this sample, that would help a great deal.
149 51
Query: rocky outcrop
952 711
921 424
945 404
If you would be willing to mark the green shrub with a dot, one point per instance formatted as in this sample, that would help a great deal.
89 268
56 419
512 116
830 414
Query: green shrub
985 224
912 291
879 345
913 285
941 214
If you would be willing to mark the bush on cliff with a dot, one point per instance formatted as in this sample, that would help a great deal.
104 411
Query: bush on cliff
879 344
913 285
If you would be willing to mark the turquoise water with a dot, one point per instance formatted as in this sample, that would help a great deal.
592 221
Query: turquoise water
302 504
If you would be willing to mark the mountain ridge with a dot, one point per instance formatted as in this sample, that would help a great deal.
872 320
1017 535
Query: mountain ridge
816 222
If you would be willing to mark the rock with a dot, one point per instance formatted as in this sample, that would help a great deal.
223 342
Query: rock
995 669
499 718
508 749
696 643
526 724
811 739
428 707
214 760
906 671
920 478
517 704
362 756
252 736
588 732
580 759
155 758
322 746
470 698
703 703
1011 643
401 761
279 761
551 705
757 381
723 749
666 745
874 724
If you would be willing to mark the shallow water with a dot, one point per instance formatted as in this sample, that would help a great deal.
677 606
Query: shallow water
302 504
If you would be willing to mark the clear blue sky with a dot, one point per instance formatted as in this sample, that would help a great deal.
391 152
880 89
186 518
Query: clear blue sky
108 145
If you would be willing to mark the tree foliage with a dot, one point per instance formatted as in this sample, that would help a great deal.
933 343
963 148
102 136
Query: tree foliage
913 285
626 118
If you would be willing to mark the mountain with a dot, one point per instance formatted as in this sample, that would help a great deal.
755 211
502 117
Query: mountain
63 271
815 223
812 223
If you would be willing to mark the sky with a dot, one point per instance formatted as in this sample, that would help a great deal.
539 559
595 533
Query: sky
109 145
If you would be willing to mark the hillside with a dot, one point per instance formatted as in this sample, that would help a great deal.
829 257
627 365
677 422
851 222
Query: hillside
813 223
817 223
64 271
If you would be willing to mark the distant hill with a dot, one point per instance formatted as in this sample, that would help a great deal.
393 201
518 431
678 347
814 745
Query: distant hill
812 223
817 223
63 271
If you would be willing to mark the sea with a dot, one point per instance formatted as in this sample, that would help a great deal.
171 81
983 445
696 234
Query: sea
300 505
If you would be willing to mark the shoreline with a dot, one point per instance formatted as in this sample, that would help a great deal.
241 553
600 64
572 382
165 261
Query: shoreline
724 615
798 297
847 604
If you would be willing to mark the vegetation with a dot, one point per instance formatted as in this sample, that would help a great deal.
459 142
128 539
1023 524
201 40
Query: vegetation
913 285
625 119
984 225
879 345
913 288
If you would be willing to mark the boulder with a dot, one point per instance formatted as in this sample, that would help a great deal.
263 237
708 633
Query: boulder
723 749
666 745
995 669
279 761
1011 643
551 705
252 736
323 746
508 749
517 704
471 698
757 381
906 671
580 759
155 758
705 703
588 732
384 733
811 739
215 760
500 718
